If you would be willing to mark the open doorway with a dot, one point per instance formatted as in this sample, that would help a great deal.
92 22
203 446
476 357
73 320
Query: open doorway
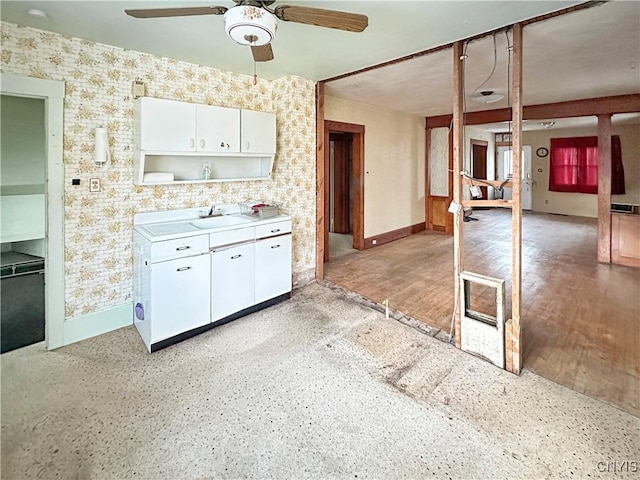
504 170
340 194
23 219
46 196
344 196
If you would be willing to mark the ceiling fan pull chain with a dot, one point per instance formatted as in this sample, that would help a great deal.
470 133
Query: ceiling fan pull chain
255 72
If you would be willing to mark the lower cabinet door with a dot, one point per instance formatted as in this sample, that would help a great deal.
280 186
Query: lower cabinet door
232 280
273 267
180 293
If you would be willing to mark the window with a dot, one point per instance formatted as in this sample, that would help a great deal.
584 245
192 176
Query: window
574 165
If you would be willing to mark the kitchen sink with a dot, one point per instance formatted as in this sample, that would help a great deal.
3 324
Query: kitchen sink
222 221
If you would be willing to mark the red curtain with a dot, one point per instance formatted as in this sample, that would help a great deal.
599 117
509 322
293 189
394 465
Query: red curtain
574 165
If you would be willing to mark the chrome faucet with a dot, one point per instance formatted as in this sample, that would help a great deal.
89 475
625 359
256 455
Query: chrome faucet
213 212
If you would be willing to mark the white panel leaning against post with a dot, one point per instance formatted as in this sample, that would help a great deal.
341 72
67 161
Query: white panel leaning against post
482 334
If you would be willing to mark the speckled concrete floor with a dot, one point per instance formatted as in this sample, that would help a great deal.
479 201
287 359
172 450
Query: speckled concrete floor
317 387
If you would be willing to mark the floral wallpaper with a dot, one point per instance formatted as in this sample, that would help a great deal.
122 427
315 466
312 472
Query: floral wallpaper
98 80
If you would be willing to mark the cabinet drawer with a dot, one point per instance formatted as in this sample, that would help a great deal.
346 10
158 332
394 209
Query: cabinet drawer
178 248
231 236
273 229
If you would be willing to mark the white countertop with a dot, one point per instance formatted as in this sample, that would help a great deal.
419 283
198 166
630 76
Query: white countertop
159 226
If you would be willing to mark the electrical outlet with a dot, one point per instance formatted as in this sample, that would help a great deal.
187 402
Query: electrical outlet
373 242
94 185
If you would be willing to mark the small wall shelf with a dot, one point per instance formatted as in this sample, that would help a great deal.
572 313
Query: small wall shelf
188 168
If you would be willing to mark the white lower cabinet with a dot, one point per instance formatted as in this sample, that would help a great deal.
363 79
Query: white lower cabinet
188 282
273 267
232 280
179 296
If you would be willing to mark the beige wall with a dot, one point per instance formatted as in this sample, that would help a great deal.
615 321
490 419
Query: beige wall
582 204
394 163
98 226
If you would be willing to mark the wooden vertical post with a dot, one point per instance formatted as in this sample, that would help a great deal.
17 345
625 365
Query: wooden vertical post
513 347
320 182
604 188
458 144
427 174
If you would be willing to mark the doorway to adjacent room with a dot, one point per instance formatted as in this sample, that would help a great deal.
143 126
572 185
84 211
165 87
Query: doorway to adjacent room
344 189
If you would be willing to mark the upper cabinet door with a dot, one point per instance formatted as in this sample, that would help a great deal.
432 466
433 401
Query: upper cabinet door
258 132
218 129
167 125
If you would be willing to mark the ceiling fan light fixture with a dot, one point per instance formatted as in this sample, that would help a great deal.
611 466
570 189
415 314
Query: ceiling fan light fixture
488 96
249 25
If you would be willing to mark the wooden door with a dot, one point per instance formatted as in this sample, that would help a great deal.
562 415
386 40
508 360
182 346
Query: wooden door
341 181
479 162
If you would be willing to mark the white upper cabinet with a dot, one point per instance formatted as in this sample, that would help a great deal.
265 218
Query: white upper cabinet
258 132
166 125
176 141
218 129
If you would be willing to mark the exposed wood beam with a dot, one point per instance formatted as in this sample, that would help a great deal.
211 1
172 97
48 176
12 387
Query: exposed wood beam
487 203
513 347
422 53
493 183
320 182
427 178
458 144
574 108
604 188
582 108
450 218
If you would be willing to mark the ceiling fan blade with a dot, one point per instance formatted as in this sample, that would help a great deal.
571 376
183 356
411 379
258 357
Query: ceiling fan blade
262 53
175 12
351 22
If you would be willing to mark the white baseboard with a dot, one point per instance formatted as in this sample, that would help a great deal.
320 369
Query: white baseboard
97 323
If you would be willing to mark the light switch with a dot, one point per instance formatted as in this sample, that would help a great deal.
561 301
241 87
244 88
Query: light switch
138 89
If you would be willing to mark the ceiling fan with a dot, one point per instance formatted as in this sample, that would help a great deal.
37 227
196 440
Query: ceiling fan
252 22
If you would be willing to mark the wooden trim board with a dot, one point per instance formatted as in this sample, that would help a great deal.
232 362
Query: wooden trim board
321 241
574 108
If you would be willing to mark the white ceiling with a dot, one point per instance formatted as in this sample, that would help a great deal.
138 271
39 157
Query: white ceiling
396 28
589 53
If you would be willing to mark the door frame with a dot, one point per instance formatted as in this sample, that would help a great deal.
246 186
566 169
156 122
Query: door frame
341 183
331 126
480 143
52 92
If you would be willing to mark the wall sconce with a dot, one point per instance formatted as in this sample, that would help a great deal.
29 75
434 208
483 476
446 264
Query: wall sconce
547 124
101 152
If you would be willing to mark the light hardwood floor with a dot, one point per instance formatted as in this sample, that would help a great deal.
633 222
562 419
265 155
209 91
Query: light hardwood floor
581 319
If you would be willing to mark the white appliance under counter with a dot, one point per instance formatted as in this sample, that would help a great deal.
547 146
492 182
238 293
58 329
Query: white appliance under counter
192 274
